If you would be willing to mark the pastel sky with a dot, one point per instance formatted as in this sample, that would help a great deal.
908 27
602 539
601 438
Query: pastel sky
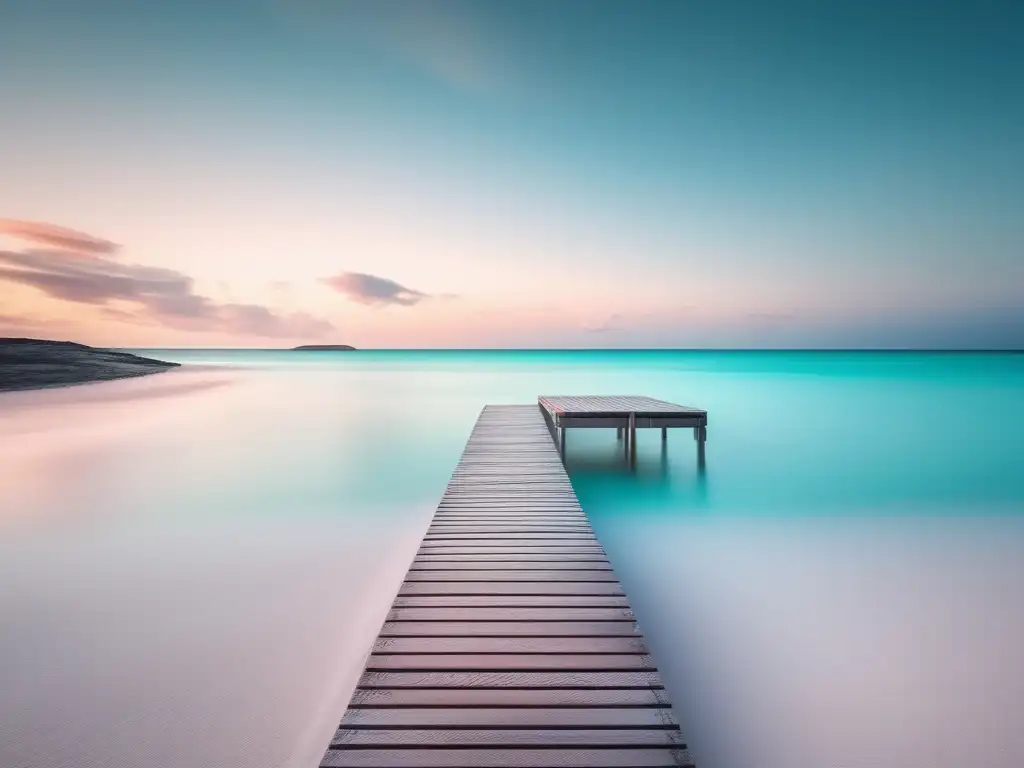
529 173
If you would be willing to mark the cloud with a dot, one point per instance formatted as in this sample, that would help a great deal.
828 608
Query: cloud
92 280
21 324
60 237
147 295
113 313
17 322
770 317
257 320
440 41
373 290
610 324
452 47
620 322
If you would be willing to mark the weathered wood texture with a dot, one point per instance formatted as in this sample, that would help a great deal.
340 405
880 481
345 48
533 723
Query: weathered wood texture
619 411
614 405
510 642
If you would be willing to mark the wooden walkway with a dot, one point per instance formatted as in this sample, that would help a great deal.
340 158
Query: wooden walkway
511 642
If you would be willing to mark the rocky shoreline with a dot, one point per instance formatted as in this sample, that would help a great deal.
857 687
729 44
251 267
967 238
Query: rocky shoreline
41 364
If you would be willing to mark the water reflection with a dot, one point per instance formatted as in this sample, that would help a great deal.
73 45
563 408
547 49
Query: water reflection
666 470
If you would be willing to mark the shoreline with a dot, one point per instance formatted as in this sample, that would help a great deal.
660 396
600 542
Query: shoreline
34 364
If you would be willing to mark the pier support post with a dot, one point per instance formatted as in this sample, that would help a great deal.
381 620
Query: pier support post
561 443
618 433
664 434
700 434
632 439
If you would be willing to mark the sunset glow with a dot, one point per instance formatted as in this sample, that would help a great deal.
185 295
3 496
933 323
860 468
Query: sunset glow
508 175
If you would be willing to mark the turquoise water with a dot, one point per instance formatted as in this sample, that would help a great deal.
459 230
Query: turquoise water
192 565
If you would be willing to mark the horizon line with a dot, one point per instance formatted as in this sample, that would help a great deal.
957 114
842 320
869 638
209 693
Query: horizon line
942 350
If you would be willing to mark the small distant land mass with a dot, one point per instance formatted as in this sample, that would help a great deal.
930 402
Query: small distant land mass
42 364
324 348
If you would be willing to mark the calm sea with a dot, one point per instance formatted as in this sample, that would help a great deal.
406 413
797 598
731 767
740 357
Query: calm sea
193 565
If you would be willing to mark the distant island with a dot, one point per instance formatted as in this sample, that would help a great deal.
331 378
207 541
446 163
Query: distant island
42 364
324 348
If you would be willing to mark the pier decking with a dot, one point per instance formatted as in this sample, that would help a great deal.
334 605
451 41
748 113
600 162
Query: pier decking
511 642
626 413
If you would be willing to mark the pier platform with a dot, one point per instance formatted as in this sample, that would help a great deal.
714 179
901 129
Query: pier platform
511 642
626 413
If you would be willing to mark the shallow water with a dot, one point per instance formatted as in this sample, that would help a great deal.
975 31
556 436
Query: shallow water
193 565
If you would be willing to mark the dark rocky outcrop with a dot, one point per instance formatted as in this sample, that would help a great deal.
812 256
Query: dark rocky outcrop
39 364
324 348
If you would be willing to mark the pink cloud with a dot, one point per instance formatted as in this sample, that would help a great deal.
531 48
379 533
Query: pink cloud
152 295
60 237
373 290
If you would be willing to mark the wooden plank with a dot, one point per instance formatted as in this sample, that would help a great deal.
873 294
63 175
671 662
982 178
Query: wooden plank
613 405
511 575
546 679
506 508
507 482
538 547
541 560
549 497
534 549
521 645
508 662
511 698
495 523
554 613
645 422
552 538
527 548
506 628
517 558
511 525
510 588
533 718
511 545
508 504
522 535
420 566
511 601
478 519
529 492
500 531
511 500
576 757
550 738
510 642
493 516
503 552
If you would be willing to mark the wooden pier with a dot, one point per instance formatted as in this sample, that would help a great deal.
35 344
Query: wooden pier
626 413
511 642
